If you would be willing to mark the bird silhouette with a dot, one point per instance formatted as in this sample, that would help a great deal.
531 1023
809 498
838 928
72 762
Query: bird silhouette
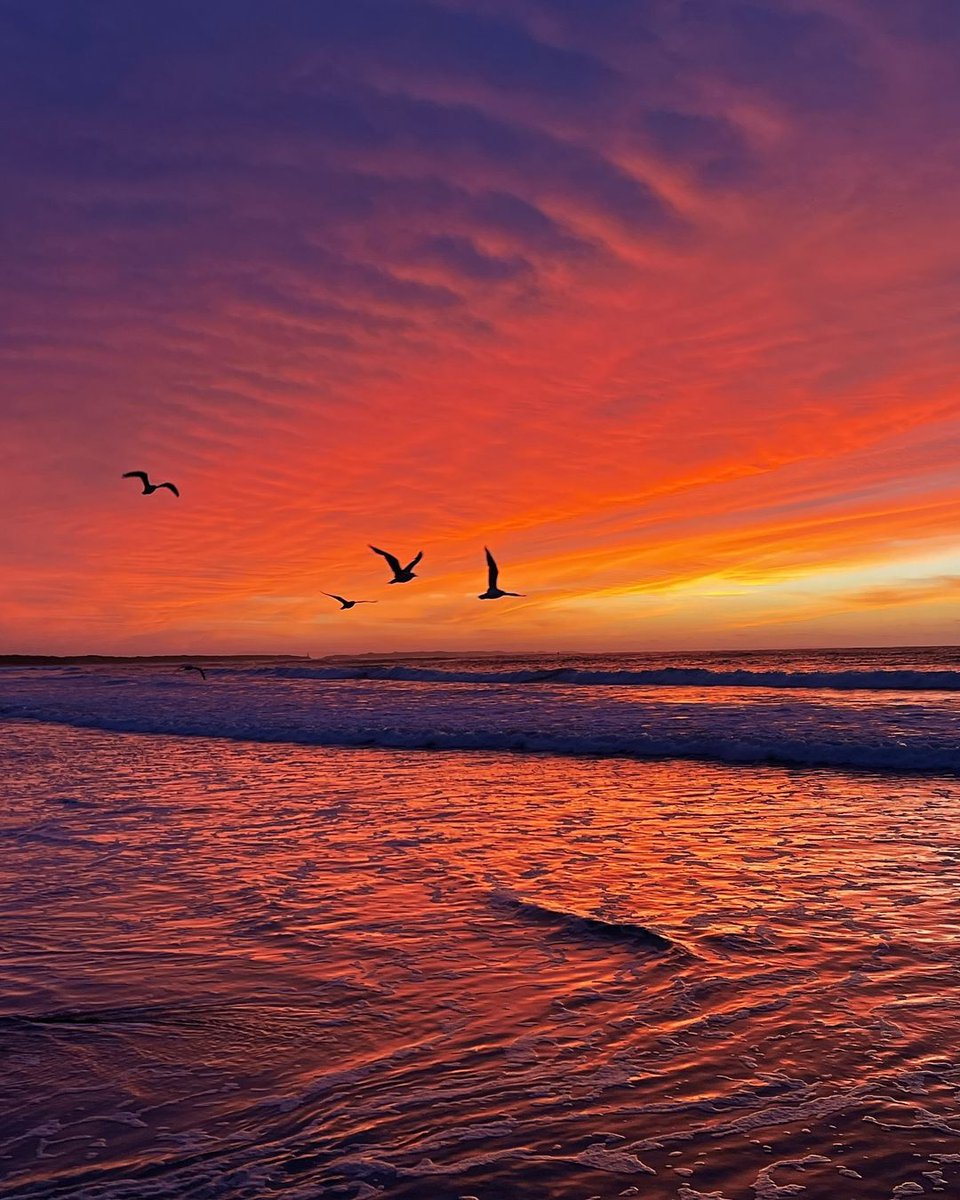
191 667
400 574
348 603
493 571
148 487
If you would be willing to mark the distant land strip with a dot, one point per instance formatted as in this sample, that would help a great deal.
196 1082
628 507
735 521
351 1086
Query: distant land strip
42 660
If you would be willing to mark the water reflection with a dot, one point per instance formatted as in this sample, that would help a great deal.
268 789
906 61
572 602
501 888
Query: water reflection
246 970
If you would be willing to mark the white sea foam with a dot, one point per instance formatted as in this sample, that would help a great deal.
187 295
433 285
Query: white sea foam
881 731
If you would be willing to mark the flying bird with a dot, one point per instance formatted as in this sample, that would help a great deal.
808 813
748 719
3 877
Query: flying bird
348 603
400 574
148 487
493 571
191 667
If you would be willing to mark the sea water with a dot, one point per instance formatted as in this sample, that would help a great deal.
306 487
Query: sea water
501 927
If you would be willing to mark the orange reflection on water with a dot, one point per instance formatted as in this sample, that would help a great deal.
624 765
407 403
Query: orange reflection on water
469 973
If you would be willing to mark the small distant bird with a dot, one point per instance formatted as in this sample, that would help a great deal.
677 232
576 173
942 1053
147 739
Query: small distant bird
191 667
400 574
348 603
493 571
148 487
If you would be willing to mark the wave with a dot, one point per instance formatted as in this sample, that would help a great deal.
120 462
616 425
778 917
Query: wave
760 748
582 924
866 731
690 677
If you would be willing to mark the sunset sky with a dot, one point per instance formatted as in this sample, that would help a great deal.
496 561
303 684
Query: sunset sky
658 298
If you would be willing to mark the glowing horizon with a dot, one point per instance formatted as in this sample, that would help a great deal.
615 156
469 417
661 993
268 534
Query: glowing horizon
660 306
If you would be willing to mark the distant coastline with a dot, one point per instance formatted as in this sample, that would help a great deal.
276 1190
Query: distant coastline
54 660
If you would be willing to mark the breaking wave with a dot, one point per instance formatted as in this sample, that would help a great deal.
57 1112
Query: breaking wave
764 748
736 745
846 681
907 728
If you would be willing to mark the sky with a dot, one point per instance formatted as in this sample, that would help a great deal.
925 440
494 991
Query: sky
659 299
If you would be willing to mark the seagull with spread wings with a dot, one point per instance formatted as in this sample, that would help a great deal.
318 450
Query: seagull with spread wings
148 487
493 571
400 574
348 603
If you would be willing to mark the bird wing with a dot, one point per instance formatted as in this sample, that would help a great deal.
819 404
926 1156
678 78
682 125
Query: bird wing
333 596
141 475
413 561
391 559
172 486
493 570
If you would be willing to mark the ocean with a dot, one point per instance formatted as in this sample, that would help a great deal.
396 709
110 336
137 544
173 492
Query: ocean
516 926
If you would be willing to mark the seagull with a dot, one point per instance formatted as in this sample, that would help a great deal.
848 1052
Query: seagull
493 592
148 487
348 603
191 667
400 574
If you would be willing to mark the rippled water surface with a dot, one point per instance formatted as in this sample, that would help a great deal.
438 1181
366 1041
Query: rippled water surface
244 970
